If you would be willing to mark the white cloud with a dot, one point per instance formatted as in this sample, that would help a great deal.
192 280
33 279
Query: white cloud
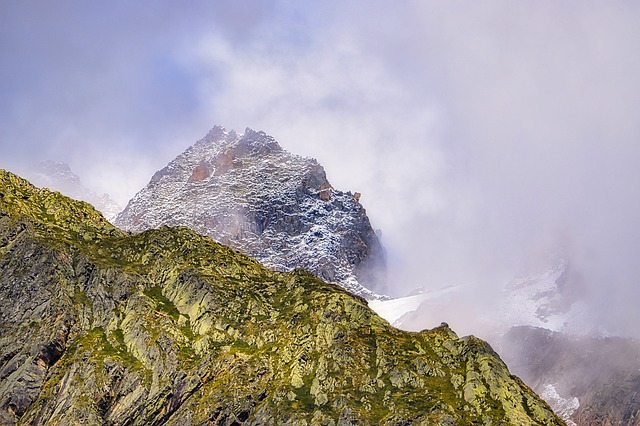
337 104
482 135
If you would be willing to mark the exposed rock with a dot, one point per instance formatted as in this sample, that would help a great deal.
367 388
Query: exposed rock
248 192
168 327
200 173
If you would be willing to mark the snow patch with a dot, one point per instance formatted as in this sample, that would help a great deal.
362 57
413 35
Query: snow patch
563 407
394 309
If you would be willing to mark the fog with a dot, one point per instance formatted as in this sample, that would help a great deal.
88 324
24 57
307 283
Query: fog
487 139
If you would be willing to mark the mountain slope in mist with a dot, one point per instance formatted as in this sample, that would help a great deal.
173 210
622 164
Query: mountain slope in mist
247 192
543 328
59 177
601 374
550 299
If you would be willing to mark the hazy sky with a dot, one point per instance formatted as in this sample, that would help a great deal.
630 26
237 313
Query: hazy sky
484 136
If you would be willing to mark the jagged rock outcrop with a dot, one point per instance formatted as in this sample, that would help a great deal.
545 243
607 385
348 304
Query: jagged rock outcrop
98 326
248 192
59 177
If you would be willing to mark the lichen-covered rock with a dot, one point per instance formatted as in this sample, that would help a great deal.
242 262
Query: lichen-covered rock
169 327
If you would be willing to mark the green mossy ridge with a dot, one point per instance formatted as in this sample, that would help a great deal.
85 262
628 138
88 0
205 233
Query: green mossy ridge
80 297
96 342
162 303
208 330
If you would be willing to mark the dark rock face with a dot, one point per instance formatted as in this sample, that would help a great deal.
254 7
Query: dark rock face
248 192
602 375
168 327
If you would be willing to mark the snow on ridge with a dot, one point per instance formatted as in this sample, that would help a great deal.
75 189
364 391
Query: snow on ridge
525 298
535 300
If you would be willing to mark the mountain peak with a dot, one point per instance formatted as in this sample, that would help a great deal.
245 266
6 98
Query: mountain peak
259 142
216 132
251 141
59 172
248 192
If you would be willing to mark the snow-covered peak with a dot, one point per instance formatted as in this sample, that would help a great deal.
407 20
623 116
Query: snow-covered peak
244 190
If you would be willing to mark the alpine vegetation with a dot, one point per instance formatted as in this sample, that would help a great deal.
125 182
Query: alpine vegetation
101 326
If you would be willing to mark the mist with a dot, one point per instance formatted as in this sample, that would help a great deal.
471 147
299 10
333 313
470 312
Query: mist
487 139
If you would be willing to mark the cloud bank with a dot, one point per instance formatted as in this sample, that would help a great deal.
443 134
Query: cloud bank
485 138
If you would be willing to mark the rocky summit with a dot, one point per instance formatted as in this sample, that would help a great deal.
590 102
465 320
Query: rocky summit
102 327
249 193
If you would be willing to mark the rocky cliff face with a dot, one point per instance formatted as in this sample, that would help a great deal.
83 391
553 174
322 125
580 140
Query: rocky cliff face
248 192
98 326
